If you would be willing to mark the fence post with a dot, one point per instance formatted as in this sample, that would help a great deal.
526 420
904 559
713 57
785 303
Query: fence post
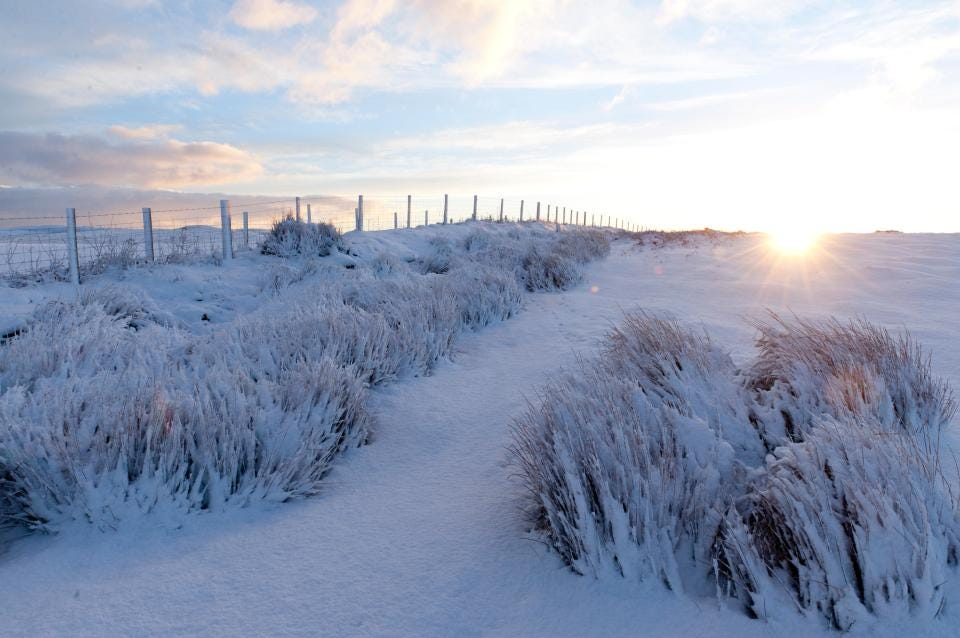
226 236
501 209
521 210
548 212
538 211
426 218
298 209
445 201
564 214
147 234
409 198
72 254
395 220
474 208
593 219
309 215
360 212
246 230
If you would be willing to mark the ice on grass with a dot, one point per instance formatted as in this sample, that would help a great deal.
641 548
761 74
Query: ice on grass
810 480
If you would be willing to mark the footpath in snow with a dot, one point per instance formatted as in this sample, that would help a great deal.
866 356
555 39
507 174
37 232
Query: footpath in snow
420 532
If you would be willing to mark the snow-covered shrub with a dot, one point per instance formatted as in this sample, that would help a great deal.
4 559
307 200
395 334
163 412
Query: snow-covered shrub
439 260
280 276
808 369
135 309
482 294
77 339
289 237
685 371
101 448
854 520
584 245
649 463
109 408
627 458
544 270
605 470
476 240
386 264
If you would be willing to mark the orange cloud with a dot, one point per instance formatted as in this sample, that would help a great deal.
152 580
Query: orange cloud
54 159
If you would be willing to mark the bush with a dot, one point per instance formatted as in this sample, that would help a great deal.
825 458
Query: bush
630 457
651 462
108 410
290 237
611 490
808 369
855 520
100 449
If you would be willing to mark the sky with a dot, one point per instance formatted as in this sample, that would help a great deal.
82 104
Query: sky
752 114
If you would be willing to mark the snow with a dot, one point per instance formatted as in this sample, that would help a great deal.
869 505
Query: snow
421 533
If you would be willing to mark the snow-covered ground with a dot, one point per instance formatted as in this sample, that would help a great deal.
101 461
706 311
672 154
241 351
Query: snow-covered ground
420 533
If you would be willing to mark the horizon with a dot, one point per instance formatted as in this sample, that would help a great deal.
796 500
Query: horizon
728 114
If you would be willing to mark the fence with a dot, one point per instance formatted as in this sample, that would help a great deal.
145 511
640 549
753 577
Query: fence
79 243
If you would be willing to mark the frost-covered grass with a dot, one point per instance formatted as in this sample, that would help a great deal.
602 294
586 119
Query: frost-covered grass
289 237
807 369
110 408
662 461
854 520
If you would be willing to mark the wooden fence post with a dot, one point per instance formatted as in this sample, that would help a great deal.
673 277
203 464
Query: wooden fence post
474 208
298 209
148 234
360 212
395 220
445 202
409 201
246 230
226 233
309 215
538 211
72 254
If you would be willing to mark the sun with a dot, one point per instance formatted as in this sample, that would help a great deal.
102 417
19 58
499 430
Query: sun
793 241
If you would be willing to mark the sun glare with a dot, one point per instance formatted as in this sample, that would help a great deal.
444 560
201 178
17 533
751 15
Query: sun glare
793 241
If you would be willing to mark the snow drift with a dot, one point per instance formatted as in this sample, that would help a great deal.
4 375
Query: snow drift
810 480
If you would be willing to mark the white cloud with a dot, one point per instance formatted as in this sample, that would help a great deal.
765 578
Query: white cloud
729 10
271 15
904 45
54 159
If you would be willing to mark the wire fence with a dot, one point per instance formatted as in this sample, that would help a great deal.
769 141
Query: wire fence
35 249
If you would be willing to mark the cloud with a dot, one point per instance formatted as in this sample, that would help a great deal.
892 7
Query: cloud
905 46
485 34
58 160
150 132
271 15
710 11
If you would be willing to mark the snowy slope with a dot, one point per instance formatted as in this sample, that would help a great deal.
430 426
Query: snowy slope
419 533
